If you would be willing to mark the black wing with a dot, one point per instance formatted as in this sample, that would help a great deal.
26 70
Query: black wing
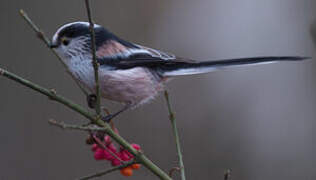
170 65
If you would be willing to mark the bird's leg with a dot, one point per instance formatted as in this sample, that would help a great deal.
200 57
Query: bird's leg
92 101
109 117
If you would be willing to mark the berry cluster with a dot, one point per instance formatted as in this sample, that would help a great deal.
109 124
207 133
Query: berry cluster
106 150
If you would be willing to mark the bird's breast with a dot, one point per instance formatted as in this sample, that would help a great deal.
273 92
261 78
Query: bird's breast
134 86
83 71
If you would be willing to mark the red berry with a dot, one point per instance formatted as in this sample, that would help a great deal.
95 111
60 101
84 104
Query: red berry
136 146
98 154
116 162
94 147
128 153
128 171
112 148
107 140
107 155
135 166
124 156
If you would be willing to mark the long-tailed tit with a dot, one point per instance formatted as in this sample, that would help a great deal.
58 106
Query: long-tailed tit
130 73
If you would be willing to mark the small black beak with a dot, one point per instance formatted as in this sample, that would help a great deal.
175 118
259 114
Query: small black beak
52 45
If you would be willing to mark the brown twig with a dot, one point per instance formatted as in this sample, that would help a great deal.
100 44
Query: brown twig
41 35
63 125
176 135
94 58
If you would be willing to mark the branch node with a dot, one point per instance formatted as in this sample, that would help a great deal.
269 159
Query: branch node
40 35
1 72
55 123
53 91
77 127
172 170
22 12
53 94
228 174
171 115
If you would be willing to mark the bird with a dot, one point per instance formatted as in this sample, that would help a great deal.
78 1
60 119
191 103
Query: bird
130 73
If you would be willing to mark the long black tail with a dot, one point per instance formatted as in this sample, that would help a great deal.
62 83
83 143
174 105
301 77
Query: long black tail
209 66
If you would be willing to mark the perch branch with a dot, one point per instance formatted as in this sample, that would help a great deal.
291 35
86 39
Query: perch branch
94 58
176 135
140 157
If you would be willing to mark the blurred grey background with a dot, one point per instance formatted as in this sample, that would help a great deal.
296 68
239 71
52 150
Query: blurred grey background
257 120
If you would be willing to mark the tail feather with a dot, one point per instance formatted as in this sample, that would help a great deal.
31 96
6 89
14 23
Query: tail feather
209 66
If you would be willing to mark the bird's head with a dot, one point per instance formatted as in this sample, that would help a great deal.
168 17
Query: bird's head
73 39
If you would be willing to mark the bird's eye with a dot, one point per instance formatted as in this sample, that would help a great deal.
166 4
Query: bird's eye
65 41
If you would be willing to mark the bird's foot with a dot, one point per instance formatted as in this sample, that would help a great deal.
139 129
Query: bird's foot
92 101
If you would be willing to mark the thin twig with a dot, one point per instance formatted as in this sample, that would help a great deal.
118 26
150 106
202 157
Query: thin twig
141 158
94 58
40 34
102 173
176 135
63 125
